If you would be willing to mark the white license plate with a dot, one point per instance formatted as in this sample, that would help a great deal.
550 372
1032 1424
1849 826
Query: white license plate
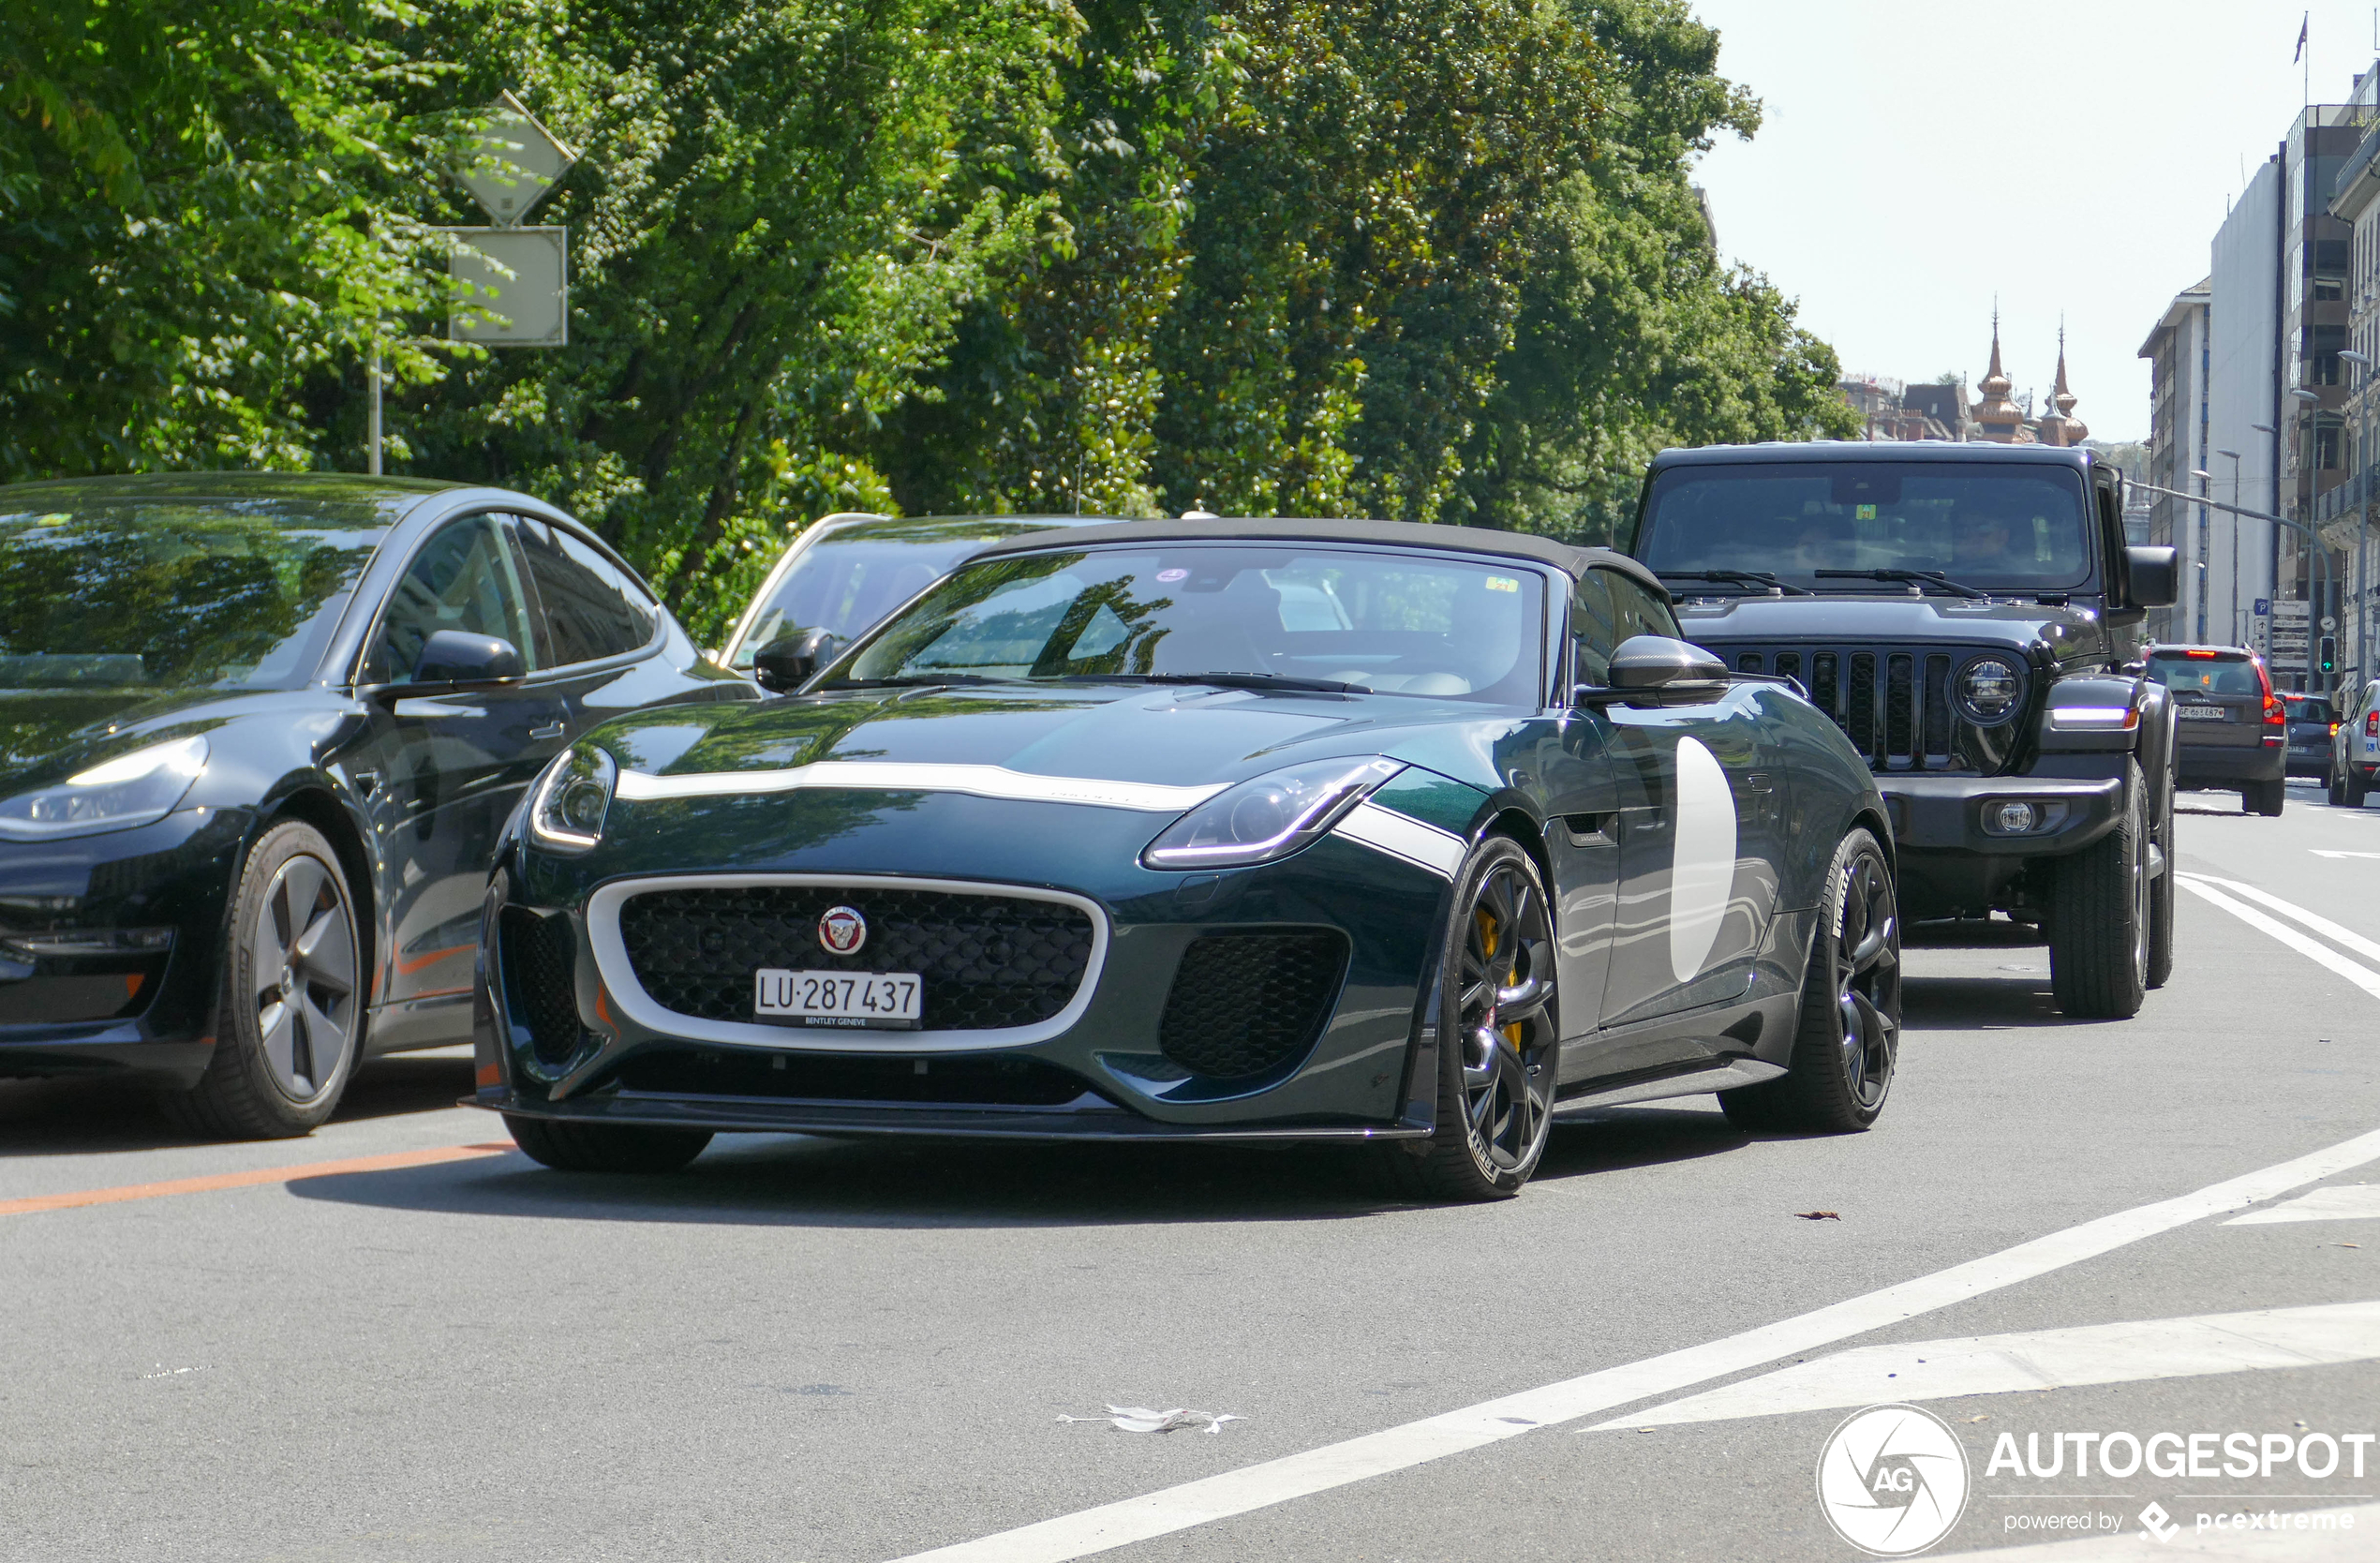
2201 713
889 1000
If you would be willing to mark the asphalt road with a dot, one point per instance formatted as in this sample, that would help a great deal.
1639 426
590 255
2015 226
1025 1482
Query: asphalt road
808 1350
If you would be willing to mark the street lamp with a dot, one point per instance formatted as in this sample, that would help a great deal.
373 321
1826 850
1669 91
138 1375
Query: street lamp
2363 510
2235 528
2205 478
2312 404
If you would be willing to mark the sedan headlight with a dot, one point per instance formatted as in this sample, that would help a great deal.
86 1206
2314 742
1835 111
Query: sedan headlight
138 788
1989 690
566 813
1269 817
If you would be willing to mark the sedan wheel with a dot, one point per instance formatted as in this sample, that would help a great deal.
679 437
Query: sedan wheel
1498 1036
1848 1040
291 1020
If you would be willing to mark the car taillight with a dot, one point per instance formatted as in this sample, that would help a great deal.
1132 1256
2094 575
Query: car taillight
2371 725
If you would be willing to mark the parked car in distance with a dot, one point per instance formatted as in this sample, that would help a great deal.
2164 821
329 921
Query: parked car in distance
2310 724
2229 727
846 571
2354 749
1407 836
258 735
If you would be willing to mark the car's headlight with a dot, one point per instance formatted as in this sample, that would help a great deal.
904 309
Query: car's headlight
1989 690
1269 817
138 788
566 813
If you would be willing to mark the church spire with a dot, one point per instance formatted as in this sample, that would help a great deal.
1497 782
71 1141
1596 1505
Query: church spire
2000 421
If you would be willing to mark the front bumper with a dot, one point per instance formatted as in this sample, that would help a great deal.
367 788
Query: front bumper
1099 1072
149 1015
1945 815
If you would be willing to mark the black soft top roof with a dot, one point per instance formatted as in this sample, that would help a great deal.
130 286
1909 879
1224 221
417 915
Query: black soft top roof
1876 450
1572 561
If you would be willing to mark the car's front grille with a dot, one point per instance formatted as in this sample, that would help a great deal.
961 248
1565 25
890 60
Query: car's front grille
1244 1004
539 953
1894 702
987 961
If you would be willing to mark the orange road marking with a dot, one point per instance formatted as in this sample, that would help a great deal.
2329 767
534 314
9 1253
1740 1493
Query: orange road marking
389 1163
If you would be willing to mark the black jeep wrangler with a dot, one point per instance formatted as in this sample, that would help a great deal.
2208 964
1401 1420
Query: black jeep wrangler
1971 616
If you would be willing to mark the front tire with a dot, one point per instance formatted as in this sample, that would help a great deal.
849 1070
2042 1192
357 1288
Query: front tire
606 1147
1848 1043
2099 920
291 1024
1499 1035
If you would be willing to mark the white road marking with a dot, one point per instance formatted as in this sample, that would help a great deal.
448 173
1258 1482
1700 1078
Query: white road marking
2341 1535
2339 1202
1415 1443
2362 976
2040 1359
2345 937
1702 858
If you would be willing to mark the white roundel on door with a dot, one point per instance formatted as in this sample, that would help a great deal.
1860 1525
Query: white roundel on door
1703 873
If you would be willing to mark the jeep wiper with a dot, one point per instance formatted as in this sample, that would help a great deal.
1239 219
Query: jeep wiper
1915 577
910 680
1758 577
1226 680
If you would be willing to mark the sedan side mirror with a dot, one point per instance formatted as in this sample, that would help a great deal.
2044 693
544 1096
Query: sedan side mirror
1655 669
2154 577
459 657
789 661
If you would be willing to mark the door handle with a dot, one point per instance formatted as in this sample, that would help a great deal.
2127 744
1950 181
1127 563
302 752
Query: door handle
551 730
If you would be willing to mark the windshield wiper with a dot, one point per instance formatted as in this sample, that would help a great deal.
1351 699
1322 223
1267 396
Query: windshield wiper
1914 577
1759 577
1225 680
910 680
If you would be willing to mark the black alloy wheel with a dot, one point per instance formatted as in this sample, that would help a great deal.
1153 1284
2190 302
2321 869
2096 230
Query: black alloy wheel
1848 1042
291 1021
1499 1035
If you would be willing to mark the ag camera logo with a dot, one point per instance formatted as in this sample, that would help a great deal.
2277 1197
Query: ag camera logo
1893 1479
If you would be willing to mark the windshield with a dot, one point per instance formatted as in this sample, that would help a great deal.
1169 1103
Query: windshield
1986 525
2207 674
1400 624
173 593
846 583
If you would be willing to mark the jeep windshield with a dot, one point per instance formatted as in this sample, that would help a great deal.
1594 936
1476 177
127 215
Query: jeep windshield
1989 526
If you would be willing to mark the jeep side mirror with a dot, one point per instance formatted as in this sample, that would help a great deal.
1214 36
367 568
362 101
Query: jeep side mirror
791 661
2155 577
1655 669
459 657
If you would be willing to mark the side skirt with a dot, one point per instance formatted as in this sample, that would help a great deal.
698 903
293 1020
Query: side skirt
1684 1081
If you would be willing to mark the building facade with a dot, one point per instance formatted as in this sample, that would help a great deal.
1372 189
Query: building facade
2179 352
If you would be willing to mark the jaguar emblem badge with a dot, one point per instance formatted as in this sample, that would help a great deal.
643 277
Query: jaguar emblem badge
841 929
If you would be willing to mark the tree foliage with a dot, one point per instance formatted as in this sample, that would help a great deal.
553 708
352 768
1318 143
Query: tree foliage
1436 260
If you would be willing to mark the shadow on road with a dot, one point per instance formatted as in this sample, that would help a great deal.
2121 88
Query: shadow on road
69 1117
788 1181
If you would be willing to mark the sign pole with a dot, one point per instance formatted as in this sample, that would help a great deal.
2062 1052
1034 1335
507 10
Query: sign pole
373 373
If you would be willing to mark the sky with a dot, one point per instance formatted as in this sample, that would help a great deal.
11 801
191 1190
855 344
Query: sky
2072 159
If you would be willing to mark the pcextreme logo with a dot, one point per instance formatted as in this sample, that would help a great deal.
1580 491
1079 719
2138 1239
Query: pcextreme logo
1893 1479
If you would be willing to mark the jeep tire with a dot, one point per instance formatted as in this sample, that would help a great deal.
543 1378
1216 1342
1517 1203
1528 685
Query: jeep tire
2100 916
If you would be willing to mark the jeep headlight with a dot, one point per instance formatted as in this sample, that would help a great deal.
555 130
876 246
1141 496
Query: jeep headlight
1269 817
1989 689
138 788
566 813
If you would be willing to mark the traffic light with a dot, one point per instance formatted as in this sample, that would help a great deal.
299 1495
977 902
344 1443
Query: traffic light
2327 654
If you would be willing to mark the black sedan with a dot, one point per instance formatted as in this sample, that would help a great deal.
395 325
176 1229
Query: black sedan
258 735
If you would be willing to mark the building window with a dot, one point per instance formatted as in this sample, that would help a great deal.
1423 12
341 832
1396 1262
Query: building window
2325 447
2323 369
2329 290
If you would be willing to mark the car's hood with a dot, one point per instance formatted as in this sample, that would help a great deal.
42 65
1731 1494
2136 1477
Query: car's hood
1171 735
48 733
1881 619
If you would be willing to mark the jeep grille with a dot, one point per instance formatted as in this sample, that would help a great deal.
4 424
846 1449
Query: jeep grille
1893 702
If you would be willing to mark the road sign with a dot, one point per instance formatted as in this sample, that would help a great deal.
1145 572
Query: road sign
2264 606
520 161
2328 622
530 307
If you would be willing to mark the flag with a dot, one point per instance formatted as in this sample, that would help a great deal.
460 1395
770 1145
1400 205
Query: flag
2302 26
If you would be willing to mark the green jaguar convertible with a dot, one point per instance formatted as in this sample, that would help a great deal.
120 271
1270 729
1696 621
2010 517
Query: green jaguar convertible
1250 830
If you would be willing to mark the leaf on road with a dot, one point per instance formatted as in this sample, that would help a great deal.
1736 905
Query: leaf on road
1818 1215
1140 1418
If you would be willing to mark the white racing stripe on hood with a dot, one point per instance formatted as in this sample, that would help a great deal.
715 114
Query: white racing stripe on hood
896 776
